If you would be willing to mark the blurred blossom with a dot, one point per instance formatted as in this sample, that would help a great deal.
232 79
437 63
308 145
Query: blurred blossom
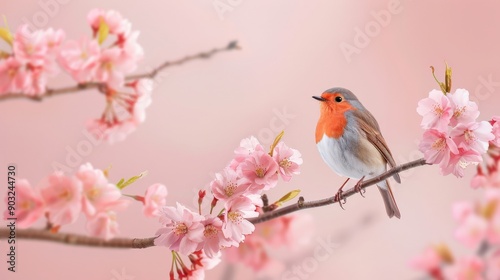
98 193
154 199
63 198
29 205
467 268
104 223
495 122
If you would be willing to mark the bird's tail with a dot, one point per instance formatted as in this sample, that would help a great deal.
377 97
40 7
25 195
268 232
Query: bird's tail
390 203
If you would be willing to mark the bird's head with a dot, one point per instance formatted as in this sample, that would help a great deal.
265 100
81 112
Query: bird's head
338 100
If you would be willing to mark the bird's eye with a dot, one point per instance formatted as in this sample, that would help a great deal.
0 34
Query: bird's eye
338 99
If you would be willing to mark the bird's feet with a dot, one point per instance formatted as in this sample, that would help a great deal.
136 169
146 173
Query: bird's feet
358 188
339 195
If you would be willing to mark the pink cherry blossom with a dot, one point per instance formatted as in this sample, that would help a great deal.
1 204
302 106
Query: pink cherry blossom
13 76
182 231
464 110
462 210
236 225
261 170
299 231
110 68
30 47
472 231
132 50
228 184
29 205
458 162
104 224
436 111
141 100
53 39
495 122
214 237
251 253
246 148
429 261
437 147
110 132
98 193
63 198
116 23
80 58
288 159
473 136
467 268
479 181
210 262
154 200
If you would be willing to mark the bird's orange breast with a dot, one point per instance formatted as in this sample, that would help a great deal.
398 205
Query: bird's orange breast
331 125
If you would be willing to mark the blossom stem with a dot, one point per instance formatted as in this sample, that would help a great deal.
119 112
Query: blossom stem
233 45
138 243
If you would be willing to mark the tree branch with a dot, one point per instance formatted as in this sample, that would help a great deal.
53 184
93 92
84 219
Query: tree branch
78 239
301 204
138 243
233 45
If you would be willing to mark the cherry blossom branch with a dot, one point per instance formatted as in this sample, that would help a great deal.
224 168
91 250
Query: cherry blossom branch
233 45
138 243
79 239
301 204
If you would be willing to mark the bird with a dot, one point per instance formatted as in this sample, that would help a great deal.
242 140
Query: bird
349 140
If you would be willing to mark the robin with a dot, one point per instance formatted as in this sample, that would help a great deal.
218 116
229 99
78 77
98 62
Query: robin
349 140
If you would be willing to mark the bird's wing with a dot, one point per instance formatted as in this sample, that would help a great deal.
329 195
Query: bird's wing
375 137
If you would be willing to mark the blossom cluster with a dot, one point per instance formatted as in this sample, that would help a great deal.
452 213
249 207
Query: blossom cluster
238 188
103 58
478 229
453 137
62 198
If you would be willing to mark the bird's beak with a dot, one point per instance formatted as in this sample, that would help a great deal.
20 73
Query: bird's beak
319 98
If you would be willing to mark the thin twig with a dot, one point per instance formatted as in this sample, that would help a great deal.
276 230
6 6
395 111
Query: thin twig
233 45
137 243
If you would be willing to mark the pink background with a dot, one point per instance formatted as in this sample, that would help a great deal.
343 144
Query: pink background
201 110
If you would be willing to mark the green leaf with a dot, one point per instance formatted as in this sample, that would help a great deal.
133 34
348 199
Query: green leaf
5 32
119 184
103 32
287 197
441 85
122 184
447 78
6 35
276 141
